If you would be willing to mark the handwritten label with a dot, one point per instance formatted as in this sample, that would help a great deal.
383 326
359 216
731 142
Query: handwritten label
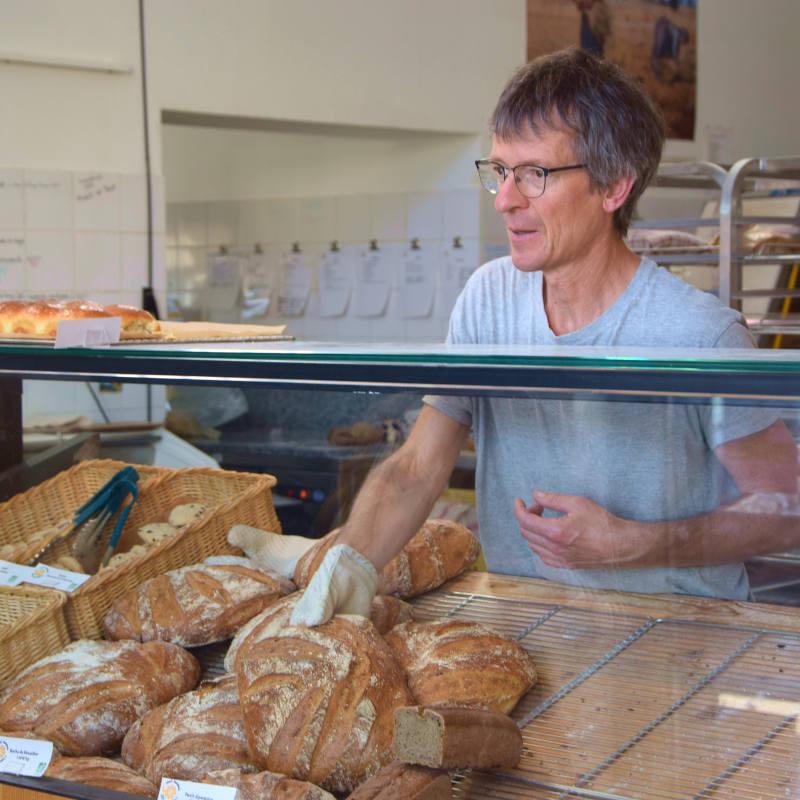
171 789
24 756
96 185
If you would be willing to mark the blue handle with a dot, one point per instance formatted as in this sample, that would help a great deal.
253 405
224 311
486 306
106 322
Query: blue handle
128 486
110 495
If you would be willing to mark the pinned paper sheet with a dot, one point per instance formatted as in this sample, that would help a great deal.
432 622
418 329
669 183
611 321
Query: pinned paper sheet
257 286
24 756
457 265
92 332
296 285
223 281
375 276
335 282
418 281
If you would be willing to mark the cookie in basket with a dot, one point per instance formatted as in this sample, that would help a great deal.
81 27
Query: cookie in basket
182 515
156 532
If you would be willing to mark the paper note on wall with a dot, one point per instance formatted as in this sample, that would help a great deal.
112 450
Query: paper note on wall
458 263
258 279
418 281
223 282
375 276
295 285
335 282
12 263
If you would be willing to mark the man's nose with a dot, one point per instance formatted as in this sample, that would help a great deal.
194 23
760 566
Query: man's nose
509 197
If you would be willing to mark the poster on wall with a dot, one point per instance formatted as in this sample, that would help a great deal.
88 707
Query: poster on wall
653 40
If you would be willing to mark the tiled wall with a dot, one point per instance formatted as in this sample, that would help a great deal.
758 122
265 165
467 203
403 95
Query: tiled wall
196 231
80 234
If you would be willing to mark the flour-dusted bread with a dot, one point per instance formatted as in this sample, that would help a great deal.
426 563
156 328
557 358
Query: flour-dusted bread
456 738
386 613
194 605
438 551
399 781
266 786
319 703
455 663
85 697
104 773
191 735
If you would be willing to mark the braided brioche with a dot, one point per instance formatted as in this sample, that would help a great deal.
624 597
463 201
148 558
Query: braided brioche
194 605
454 663
318 703
191 735
438 551
85 698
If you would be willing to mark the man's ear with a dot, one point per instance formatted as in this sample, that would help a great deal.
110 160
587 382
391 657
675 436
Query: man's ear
617 193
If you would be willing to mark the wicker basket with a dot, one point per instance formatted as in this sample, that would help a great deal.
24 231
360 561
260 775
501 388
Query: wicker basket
231 497
32 626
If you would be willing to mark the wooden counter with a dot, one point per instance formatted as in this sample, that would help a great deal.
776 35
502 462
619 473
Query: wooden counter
639 696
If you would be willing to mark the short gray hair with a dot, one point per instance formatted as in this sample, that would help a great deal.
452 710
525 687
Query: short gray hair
619 132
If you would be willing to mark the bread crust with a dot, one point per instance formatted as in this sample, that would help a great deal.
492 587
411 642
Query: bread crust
194 605
103 772
457 663
399 781
267 786
135 321
319 703
85 698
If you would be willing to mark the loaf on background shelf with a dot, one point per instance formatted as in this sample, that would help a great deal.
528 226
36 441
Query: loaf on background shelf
86 697
440 550
194 605
318 703
458 663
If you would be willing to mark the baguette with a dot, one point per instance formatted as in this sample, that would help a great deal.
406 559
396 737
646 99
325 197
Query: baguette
102 772
440 550
266 786
456 738
194 605
318 703
191 735
386 613
86 697
457 663
399 781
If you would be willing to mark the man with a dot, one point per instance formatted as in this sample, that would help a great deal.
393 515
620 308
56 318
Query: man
625 495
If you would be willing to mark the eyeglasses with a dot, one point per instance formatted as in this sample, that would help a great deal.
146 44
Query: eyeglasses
530 179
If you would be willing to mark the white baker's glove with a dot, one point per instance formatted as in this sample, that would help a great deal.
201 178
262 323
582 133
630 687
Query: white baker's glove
344 583
267 550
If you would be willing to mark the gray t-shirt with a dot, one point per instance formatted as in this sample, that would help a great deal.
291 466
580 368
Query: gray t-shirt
639 460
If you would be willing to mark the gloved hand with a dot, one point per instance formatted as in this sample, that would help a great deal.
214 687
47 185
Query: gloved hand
344 583
270 550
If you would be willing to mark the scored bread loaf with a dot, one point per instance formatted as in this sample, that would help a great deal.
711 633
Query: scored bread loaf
318 703
102 772
85 697
455 663
440 550
194 605
386 613
399 781
191 735
266 786
456 738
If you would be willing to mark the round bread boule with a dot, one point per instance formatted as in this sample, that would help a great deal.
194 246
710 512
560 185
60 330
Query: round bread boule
182 515
156 532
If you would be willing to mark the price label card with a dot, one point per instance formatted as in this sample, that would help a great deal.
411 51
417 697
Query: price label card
188 790
12 574
54 578
24 756
87 332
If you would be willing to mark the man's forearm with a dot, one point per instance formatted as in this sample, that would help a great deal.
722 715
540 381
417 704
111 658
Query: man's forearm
393 503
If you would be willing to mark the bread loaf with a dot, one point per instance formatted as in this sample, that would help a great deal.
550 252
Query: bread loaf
386 613
40 318
399 781
319 703
454 663
266 786
191 735
134 321
85 698
194 605
456 738
438 551
102 772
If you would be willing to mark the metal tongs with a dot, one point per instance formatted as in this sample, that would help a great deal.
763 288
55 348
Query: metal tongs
92 517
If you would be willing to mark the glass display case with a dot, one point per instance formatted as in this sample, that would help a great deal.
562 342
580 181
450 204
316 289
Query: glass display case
658 677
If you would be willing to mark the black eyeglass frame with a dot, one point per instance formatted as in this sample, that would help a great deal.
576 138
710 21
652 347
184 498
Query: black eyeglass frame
513 170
